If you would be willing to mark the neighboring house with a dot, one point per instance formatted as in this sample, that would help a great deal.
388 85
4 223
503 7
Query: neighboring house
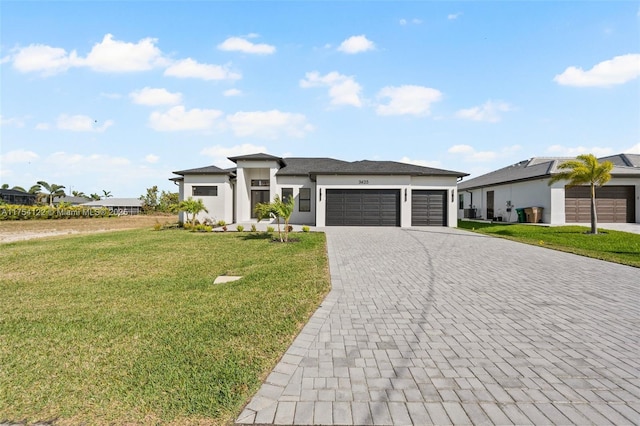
327 192
497 195
12 196
118 206
74 201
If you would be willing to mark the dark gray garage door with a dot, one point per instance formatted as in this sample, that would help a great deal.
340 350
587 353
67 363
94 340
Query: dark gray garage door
428 208
613 204
367 207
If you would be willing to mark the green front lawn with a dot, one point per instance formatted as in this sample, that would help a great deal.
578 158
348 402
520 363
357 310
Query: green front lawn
613 246
128 327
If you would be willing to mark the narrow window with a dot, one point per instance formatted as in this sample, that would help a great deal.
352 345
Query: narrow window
461 201
205 191
287 193
304 200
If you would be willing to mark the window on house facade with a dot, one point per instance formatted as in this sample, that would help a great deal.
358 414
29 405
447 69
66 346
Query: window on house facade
461 201
205 191
259 182
304 200
287 193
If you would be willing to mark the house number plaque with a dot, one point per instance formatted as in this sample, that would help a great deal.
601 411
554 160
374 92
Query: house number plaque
363 181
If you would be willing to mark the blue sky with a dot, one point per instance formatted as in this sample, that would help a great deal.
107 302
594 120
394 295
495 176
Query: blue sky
117 95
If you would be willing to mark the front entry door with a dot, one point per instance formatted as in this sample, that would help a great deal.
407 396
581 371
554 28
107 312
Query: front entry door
257 197
490 212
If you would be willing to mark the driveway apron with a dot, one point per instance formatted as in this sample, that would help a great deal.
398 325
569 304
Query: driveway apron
443 326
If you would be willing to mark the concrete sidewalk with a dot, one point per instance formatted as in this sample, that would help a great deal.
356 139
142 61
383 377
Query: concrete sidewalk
442 326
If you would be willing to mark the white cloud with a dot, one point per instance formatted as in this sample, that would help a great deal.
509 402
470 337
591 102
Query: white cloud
18 156
81 123
220 154
268 124
13 121
343 90
107 56
454 16
356 44
93 162
232 92
414 100
633 150
424 163
567 151
239 44
43 126
151 158
118 56
188 68
468 153
150 96
414 21
618 70
177 118
489 111
44 59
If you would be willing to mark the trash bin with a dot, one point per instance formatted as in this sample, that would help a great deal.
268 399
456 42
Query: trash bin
528 213
536 213
521 216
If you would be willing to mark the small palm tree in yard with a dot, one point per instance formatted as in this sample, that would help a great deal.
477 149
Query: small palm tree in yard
278 209
585 169
192 207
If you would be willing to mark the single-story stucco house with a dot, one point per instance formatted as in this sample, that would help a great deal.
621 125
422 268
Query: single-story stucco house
327 192
497 195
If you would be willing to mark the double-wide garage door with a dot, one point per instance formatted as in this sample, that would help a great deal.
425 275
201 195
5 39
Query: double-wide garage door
381 207
370 207
613 204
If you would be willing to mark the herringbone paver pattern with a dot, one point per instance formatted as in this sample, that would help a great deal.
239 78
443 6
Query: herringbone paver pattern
440 326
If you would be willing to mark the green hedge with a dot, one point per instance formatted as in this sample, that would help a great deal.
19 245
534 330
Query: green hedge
19 212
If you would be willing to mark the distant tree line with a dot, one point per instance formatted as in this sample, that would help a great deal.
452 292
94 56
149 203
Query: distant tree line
46 192
155 201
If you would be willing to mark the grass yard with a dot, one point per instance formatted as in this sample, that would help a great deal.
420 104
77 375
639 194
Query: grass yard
128 327
613 246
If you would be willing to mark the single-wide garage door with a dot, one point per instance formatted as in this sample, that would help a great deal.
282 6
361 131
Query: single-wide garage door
366 207
613 204
428 208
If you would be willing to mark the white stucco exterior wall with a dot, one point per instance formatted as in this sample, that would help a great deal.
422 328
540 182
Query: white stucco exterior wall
296 183
219 207
246 171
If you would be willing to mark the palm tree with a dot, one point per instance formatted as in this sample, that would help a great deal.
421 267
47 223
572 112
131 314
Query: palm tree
106 194
94 196
53 191
19 188
193 207
4 186
585 169
279 209
78 194
35 189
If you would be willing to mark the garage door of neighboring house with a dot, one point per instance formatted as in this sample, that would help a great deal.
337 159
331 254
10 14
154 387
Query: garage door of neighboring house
428 208
613 204
370 207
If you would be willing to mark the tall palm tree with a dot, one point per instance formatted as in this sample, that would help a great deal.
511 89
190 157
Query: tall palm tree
106 194
585 169
53 190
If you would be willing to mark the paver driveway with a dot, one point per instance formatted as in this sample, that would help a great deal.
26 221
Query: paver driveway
442 326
